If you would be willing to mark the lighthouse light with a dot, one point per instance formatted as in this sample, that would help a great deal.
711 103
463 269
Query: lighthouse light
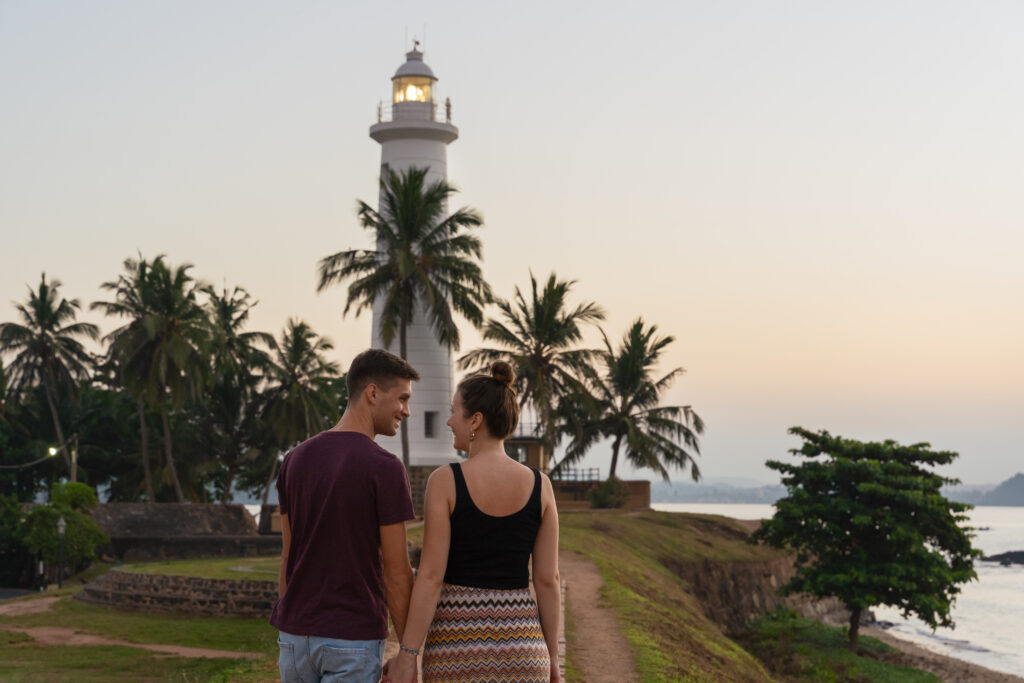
413 89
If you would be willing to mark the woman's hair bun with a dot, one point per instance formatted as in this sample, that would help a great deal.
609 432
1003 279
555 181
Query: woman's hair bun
503 372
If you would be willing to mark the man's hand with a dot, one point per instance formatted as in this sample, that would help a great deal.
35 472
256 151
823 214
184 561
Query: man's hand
400 669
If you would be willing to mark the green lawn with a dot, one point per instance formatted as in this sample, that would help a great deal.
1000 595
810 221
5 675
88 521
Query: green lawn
799 649
263 568
22 659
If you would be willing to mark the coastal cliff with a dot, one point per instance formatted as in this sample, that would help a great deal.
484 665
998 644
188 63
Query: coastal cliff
683 584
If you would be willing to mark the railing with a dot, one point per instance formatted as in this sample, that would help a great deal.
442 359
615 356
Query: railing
413 111
581 474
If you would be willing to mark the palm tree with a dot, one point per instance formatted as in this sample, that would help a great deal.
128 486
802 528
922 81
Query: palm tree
423 260
538 337
623 404
238 364
301 398
47 350
133 299
162 356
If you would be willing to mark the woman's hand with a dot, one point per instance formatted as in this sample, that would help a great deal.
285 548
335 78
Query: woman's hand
400 669
556 676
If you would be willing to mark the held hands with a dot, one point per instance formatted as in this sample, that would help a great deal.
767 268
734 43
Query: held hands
400 669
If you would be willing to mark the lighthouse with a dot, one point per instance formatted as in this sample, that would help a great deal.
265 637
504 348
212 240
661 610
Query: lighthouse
412 132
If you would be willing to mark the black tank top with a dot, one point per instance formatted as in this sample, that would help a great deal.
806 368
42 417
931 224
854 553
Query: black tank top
491 552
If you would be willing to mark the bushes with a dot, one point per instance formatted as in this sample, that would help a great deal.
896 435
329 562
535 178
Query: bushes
32 533
608 494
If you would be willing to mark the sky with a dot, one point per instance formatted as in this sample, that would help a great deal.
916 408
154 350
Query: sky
820 202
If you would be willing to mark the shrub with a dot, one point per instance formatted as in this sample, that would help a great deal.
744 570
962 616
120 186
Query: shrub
608 494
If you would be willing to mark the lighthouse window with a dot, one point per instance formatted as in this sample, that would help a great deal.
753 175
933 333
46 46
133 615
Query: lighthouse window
429 424
413 90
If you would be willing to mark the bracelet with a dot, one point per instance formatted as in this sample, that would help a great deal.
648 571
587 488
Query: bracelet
403 648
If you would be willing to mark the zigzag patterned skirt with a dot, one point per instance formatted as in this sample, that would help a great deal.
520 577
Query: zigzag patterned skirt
482 635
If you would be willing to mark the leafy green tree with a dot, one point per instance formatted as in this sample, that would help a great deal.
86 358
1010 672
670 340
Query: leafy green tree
622 403
426 263
870 526
228 415
161 350
48 350
539 337
82 537
301 398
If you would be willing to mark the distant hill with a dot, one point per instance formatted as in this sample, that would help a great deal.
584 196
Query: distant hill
1010 492
689 492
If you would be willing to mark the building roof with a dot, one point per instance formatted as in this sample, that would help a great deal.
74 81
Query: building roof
414 66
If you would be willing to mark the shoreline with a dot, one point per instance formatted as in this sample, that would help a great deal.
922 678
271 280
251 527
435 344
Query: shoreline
949 668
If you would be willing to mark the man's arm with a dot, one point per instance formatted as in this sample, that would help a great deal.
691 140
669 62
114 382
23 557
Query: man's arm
286 541
397 573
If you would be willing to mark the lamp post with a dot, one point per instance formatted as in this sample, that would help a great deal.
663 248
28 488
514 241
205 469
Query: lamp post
61 526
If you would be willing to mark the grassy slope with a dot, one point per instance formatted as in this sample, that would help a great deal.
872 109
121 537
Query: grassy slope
253 568
670 638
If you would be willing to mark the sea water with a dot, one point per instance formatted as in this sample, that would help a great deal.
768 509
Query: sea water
989 612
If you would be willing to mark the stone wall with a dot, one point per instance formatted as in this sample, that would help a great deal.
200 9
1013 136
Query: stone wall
572 495
183 594
146 531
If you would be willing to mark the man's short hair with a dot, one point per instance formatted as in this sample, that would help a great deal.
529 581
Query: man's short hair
376 366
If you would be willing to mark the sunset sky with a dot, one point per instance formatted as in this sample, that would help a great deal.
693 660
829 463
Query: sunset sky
822 202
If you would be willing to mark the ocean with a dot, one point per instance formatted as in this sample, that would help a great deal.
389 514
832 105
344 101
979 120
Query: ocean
989 613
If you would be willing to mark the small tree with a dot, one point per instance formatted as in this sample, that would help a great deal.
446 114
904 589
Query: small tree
870 527
72 501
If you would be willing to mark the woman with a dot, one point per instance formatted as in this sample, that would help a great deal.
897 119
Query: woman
484 521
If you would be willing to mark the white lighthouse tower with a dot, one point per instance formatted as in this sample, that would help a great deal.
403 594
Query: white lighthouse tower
415 137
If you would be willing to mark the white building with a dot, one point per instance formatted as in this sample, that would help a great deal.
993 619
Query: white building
415 137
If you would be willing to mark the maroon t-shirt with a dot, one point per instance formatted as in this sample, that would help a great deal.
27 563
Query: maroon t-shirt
337 489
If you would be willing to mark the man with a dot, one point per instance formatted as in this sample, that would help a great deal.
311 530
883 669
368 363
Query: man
344 563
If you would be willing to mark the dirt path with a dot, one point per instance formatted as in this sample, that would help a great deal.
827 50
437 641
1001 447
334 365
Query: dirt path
56 635
600 651
13 609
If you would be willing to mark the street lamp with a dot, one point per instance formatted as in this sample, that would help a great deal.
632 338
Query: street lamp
61 526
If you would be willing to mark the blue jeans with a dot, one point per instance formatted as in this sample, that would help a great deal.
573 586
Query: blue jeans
310 659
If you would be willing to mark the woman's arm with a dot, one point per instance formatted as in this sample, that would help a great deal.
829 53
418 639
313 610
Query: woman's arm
546 581
430 575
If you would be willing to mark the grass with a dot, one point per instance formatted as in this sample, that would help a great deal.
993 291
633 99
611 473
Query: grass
240 635
115 663
668 635
263 568
22 659
797 649
572 671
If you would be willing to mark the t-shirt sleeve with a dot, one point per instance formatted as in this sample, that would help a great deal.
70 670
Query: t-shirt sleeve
394 496
282 493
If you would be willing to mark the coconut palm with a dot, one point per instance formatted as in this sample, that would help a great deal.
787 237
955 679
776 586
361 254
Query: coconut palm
425 263
47 350
301 397
162 356
133 299
238 365
538 336
622 403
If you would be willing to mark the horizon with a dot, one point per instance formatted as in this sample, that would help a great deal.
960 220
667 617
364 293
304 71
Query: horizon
821 204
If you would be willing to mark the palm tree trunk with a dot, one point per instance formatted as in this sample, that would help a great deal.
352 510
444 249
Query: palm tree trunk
270 479
144 433
168 451
403 350
615 457
56 425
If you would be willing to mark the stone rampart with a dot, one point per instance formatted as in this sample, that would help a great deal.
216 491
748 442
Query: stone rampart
183 594
151 531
